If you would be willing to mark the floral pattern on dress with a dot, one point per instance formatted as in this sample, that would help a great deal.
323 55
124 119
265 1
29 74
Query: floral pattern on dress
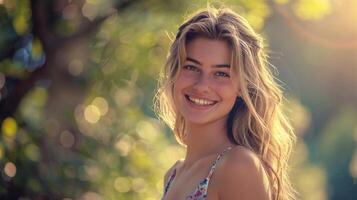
200 193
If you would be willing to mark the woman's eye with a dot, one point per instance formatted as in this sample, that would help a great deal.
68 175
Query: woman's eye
223 74
190 67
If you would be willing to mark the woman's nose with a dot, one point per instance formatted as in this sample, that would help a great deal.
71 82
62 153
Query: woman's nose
202 84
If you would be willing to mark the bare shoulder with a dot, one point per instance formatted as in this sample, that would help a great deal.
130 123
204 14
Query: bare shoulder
170 171
242 158
242 175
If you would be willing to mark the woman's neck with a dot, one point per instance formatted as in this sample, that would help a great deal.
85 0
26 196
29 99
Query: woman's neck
204 140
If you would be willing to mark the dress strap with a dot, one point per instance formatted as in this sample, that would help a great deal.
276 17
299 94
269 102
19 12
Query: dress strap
213 167
204 184
170 180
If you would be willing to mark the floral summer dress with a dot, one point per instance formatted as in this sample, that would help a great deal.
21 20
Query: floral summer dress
200 192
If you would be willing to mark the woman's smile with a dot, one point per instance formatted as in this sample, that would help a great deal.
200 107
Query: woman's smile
200 103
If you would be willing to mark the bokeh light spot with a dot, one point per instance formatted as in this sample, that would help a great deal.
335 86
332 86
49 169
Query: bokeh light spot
93 171
92 114
89 10
124 145
67 139
9 127
10 169
101 104
20 24
147 131
75 67
122 97
37 49
122 184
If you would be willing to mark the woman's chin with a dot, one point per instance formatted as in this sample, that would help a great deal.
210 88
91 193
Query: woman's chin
200 120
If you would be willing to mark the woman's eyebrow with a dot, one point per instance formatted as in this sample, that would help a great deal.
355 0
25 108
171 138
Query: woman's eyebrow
193 60
199 63
222 66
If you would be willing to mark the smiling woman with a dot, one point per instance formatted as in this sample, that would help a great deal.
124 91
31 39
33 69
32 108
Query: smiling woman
222 103
203 90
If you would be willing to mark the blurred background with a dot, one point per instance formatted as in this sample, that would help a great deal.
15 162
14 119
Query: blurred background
78 77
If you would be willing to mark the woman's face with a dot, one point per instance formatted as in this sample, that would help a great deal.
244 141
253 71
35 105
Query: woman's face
204 91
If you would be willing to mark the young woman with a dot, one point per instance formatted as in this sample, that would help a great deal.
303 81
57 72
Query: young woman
223 104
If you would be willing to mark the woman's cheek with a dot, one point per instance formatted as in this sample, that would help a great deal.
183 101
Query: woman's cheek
187 77
226 87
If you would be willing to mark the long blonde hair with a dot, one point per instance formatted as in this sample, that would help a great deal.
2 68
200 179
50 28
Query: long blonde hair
256 121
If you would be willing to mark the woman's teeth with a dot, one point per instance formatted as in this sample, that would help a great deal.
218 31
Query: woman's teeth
201 102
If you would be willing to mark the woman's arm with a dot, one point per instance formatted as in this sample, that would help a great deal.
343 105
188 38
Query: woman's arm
242 177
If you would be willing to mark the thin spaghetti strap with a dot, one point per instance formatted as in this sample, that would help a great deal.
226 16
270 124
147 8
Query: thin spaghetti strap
170 180
200 193
172 176
216 161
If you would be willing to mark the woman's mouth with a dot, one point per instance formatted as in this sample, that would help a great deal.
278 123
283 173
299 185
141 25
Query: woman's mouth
199 101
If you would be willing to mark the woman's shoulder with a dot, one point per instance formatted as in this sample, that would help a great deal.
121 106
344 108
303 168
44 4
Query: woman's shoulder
242 162
171 169
240 156
242 173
